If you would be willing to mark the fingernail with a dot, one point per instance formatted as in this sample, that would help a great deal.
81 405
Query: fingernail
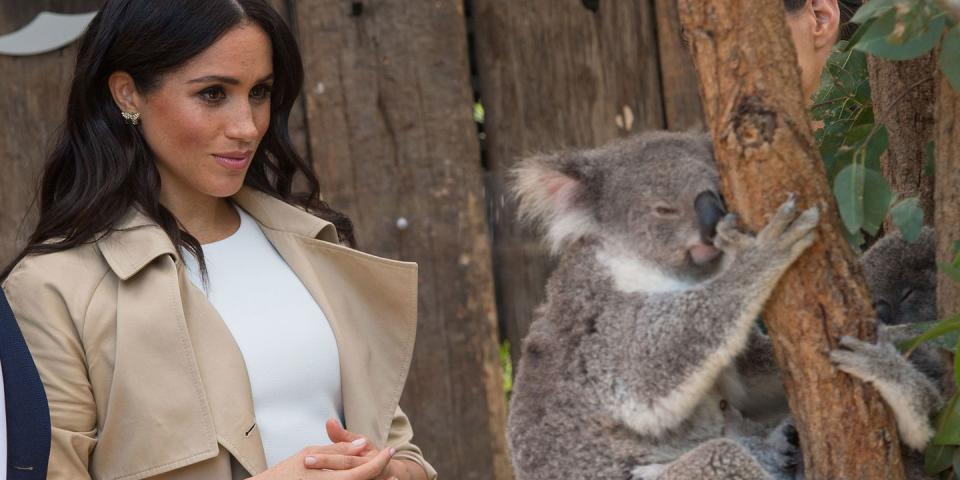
392 451
359 441
310 460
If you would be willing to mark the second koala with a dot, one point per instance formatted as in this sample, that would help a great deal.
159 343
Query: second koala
645 343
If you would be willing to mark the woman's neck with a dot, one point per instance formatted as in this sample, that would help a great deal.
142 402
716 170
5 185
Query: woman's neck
207 218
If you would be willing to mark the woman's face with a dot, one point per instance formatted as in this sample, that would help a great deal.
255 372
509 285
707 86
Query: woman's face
205 120
814 29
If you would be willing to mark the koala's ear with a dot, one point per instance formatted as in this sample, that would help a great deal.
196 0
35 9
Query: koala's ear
551 191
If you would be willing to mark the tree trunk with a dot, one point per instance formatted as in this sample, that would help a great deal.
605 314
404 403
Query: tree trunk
947 155
764 145
903 93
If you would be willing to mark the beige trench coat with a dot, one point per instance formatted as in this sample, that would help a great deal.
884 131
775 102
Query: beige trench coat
144 378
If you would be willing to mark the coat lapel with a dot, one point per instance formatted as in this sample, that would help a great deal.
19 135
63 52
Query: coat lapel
370 302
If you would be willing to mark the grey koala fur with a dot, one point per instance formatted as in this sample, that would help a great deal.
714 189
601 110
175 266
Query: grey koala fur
639 356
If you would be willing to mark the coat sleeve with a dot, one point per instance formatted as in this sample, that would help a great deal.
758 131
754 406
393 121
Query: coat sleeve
52 336
400 436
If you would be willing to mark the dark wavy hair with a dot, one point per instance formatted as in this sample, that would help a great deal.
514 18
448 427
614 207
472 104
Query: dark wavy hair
101 166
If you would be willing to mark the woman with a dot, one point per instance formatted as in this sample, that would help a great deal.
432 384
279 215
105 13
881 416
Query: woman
189 318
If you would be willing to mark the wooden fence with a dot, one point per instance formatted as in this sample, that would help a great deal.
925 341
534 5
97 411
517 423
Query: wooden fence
386 116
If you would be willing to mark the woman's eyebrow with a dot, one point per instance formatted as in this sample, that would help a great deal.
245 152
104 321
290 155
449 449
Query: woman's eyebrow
227 80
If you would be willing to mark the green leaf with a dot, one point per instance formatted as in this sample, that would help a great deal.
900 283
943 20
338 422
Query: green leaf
908 217
877 197
858 34
948 425
937 458
848 188
950 57
872 9
955 463
876 40
939 329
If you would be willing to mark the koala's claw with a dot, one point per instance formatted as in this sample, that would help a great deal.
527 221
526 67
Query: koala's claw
865 360
729 237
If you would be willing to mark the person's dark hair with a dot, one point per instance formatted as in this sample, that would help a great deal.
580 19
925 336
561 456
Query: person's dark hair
102 166
847 9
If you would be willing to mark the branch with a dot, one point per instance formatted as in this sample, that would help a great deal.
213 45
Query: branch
749 83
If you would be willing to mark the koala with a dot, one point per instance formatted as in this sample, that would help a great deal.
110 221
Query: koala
901 277
637 364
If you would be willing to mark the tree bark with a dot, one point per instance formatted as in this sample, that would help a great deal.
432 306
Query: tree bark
903 93
947 155
764 146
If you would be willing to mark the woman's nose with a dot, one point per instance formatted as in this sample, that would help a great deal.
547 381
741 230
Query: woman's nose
242 126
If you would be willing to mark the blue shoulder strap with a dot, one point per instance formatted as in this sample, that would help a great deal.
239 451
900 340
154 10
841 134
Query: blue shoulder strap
28 416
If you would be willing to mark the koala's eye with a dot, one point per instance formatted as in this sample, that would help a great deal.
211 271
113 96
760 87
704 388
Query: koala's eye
665 211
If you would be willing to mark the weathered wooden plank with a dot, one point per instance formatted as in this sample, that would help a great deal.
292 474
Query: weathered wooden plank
33 102
556 73
681 97
392 138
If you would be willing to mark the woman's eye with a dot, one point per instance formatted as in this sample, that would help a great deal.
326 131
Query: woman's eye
260 92
213 94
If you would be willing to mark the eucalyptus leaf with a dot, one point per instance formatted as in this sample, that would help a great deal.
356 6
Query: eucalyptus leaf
876 39
939 329
872 9
938 458
848 189
877 197
908 217
950 57
948 425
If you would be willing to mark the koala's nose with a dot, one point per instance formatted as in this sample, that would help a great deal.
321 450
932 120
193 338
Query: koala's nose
884 311
710 209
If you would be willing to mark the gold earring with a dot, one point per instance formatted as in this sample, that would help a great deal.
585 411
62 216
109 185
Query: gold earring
132 118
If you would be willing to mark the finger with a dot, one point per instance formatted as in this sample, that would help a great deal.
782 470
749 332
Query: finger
373 468
334 462
339 434
341 448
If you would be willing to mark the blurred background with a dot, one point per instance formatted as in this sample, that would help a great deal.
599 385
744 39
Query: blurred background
413 113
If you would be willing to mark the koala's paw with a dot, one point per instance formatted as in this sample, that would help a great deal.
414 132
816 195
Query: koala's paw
865 360
788 234
648 472
785 442
731 239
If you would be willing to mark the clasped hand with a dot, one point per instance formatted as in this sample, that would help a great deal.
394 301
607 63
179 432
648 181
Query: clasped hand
350 457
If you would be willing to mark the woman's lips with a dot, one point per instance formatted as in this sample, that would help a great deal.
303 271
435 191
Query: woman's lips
233 161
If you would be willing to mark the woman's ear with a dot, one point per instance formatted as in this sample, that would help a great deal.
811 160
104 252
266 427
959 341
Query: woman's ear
124 91
827 28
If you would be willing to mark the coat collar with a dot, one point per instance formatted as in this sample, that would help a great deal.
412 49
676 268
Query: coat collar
137 240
